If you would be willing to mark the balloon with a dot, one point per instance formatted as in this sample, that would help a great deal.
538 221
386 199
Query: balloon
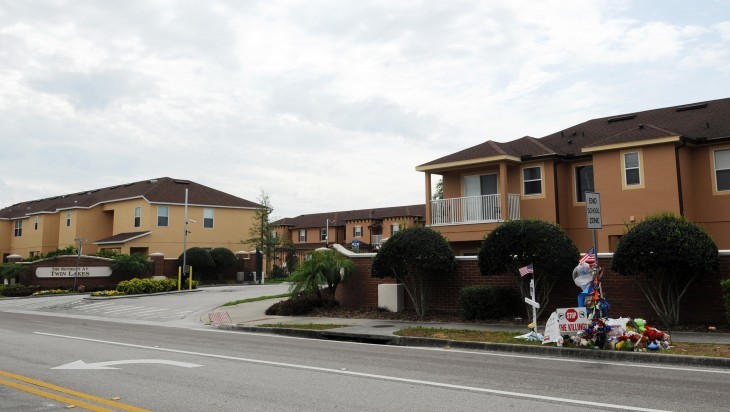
582 275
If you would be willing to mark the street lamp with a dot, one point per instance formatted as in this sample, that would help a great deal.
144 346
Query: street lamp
185 240
327 232
81 242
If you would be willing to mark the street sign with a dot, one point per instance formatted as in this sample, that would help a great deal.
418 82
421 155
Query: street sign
593 210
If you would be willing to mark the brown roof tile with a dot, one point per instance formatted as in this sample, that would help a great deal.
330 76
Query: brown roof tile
704 121
341 218
162 190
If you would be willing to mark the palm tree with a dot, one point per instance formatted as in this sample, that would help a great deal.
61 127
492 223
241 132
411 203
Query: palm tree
320 267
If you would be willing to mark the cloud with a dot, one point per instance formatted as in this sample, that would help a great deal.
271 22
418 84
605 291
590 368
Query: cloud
326 105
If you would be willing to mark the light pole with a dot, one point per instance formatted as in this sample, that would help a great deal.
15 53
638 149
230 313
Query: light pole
78 258
327 232
185 240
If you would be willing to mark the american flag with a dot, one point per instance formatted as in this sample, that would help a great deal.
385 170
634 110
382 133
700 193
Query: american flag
589 257
525 270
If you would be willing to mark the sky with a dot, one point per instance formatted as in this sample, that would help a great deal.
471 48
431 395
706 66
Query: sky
325 105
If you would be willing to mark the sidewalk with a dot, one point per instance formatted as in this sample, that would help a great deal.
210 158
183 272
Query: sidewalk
247 316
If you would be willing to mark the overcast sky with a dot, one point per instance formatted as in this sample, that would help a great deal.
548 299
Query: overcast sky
325 105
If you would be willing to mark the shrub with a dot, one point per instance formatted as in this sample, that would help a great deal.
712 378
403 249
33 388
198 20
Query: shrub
725 284
278 272
664 254
488 302
134 265
201 261
138 286
19 290
518 243
416 257
296 306
223 259
107 293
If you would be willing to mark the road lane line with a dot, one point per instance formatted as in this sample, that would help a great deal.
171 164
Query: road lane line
59 398
367 375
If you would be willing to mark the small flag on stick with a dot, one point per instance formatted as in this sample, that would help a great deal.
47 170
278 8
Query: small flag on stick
526 269
589 257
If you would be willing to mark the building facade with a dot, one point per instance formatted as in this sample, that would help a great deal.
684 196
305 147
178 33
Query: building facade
142 217
674 159
367 228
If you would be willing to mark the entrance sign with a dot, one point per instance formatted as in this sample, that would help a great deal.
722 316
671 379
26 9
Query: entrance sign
593 210
70 272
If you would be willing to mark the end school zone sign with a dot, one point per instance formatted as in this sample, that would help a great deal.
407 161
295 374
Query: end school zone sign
70 272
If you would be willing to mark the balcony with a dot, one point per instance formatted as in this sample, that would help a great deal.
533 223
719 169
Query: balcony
473 209
376 239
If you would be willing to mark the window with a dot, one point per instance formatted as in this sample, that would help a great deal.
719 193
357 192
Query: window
18 228
583 182
532 181
302 235
722 169
163 215
357 231
480 185
274 235
323 234
632 169
395 227
35 223
68 218
137 216
208 217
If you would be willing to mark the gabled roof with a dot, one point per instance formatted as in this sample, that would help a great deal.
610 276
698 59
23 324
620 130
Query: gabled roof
121 238
319 220
697 122
164 190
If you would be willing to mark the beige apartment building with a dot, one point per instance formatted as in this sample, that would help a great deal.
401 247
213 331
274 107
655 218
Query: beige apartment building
367 227
141 217
674 159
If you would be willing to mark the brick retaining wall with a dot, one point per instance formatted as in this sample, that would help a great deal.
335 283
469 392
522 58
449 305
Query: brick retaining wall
703 302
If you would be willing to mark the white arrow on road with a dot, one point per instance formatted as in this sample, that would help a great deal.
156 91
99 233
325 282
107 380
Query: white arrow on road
79 364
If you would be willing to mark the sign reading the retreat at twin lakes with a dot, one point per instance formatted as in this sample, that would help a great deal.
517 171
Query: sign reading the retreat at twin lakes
69 272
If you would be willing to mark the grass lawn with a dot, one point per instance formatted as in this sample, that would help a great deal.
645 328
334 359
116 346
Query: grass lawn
236 302
677 348
308 326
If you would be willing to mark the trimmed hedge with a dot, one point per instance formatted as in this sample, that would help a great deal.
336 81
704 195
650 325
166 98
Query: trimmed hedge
488 302
138 286
18 290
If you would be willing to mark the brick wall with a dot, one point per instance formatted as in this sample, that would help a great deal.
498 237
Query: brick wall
702 303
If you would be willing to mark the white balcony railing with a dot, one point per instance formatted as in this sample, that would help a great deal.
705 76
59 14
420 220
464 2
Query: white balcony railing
473 209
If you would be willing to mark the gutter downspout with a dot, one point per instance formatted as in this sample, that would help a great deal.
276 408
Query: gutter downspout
679 178
555 185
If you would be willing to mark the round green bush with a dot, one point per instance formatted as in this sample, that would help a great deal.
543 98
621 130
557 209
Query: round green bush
488 302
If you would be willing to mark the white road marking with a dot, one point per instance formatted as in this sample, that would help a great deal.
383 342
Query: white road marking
367 375
80 364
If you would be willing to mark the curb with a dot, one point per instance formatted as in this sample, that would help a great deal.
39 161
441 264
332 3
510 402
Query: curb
139 295
548 351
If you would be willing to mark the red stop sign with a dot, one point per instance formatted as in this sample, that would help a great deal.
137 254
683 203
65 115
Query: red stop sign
571 315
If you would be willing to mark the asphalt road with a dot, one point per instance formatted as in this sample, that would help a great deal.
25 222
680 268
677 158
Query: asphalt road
172 366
